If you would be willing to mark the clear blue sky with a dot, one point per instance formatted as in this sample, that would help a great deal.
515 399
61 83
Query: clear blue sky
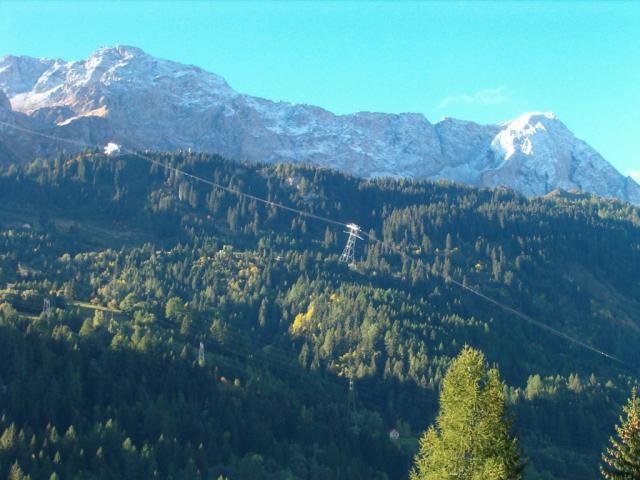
486 62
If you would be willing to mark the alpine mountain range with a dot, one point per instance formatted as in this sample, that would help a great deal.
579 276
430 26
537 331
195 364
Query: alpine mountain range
121 94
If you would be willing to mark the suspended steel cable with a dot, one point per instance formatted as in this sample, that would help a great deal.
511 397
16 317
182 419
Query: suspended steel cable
511 310
540 324
188 175
278 358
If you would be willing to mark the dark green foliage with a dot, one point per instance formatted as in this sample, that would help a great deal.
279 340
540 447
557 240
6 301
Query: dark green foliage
471 437
175 263
622 458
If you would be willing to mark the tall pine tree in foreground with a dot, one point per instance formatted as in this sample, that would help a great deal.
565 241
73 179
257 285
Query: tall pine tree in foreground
622 458
471 437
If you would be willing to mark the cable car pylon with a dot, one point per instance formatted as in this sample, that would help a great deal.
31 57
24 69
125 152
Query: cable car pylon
348 254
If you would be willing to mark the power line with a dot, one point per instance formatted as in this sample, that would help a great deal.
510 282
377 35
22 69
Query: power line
540 324
46 135
251 350
512 310
304 213
188 175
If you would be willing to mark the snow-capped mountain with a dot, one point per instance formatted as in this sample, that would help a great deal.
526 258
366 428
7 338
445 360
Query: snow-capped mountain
124 95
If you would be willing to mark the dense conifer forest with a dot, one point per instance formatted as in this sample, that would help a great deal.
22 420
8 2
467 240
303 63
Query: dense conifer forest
156 327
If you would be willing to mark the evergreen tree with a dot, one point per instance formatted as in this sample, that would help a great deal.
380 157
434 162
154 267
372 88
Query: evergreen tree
15 473
622 458
470 438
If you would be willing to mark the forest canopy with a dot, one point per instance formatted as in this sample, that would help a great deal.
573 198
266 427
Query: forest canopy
139 266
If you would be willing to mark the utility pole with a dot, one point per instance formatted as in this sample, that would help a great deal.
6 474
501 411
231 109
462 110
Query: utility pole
351 394
351 398
201 355
348 254
46 307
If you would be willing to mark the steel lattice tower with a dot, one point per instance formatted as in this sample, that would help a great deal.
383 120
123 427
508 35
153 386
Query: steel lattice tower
348 254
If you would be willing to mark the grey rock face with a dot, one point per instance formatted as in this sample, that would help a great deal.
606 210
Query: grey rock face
5 107
20 74
121 94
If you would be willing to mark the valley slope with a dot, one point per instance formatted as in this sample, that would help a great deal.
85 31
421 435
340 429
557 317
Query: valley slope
142 265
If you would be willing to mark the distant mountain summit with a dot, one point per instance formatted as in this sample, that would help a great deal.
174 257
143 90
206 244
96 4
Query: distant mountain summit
124 95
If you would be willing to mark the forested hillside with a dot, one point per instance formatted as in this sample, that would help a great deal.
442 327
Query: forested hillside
115 272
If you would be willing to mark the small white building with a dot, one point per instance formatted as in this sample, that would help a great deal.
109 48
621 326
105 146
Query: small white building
111 149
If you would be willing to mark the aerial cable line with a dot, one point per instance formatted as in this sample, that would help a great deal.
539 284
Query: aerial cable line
447 278
512 310
46 135
540 324
280 361
188 175
236 191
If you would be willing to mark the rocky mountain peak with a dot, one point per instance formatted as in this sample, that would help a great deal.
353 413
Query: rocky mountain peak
20 74
531 132
122 52
122 93
532 118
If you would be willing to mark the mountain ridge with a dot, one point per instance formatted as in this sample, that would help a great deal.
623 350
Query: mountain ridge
125 95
